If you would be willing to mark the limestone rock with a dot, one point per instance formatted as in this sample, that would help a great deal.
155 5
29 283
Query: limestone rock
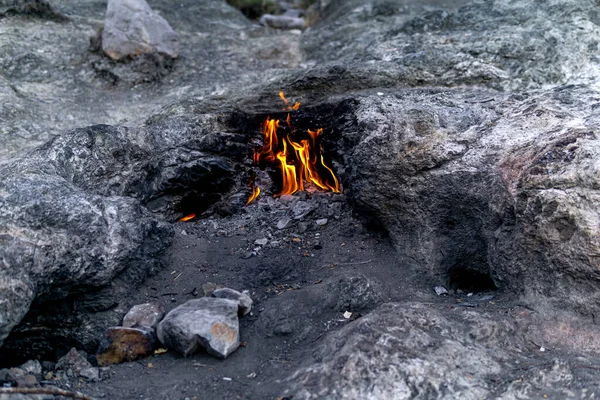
243 299
132 28
209 323
147 314
125 344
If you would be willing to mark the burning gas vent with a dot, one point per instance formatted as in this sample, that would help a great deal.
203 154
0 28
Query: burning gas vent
295 156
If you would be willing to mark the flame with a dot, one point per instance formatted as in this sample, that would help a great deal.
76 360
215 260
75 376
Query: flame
304 164
295 107
188 217
254 195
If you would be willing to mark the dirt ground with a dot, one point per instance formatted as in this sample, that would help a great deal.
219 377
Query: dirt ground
296 281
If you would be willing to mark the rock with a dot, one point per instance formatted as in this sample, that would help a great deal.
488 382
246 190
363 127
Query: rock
91 374
302 208
131 28
355 293
26 380
32 367
125 344
208 323
148 315
321 222
73 360
284 223
412 350
243 299
440 290
261 242
282 21
208 288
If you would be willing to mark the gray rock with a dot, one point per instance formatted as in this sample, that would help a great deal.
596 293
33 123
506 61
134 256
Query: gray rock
73 360
32 367
208 323
243 299
321 222
302 208
91 374
131 28
440 290
261 242
147 314
284 223
282 21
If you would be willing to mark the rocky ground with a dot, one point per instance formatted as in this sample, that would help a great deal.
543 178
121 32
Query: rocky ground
460 262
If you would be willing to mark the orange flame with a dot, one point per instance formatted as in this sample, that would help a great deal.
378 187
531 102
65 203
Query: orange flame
295 107
254 195
305 163
188 217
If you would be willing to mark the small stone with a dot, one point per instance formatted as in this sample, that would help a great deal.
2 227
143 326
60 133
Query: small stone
74 360
32 367
48 376
91 374
322 221
301 209
281 22
148 314
347 315
125 344
207 322
15 373
208 288
302 227
132 28
261 242
284 223
243 299
440 290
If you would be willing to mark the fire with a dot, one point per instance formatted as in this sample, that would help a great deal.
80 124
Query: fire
300 161
295 107
188 217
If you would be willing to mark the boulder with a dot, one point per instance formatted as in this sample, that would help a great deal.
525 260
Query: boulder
209 323
132 28
243 299
414 350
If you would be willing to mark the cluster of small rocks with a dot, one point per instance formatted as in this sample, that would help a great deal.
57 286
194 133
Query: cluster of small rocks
208 322
277 221
296 14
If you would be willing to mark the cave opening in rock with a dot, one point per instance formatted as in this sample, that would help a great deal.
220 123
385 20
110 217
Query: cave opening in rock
470 280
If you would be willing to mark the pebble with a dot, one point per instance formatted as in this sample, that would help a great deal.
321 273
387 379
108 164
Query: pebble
322 221
121 344
148 314
243 299
301 209
32 367
208 322
261 242
91 374
440 290
284 223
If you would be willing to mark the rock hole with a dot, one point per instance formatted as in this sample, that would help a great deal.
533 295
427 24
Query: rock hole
470 280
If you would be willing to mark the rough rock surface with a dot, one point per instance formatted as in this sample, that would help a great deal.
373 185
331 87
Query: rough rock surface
208 323
131 28
243 299
467 130
414 350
